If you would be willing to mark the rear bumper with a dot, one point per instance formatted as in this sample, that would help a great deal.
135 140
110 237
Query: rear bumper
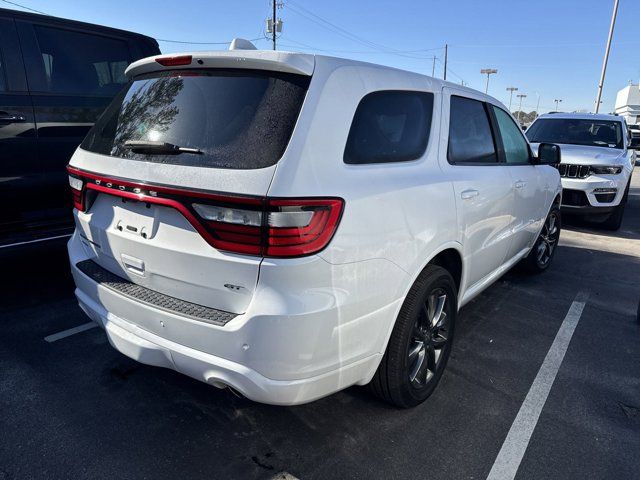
311 329
151 349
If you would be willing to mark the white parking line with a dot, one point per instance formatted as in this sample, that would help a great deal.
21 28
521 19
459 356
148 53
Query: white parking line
72 331
506 464
35 241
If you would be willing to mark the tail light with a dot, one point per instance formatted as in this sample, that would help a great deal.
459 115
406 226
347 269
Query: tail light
263 226
174 61
77 192
277 228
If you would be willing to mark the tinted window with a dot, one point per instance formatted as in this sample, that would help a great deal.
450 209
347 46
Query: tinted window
470 138
516 149
575 131
83 64
238 119
390 126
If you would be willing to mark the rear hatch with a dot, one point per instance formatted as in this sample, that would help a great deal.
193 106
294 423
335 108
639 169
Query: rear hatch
170 183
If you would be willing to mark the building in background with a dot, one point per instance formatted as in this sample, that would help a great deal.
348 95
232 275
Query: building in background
628 104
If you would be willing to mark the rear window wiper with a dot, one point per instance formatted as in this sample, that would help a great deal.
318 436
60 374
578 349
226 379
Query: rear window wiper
158 148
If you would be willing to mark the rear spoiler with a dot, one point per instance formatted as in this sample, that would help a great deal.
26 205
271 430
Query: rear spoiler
287 62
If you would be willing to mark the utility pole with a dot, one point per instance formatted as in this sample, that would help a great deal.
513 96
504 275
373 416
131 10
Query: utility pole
606 55
557 100
520 96
446 49
488 72
273 24
538 105
511 90
433 68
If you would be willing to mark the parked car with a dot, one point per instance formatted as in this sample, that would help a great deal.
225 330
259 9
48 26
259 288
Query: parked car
597 162
289 225
56 77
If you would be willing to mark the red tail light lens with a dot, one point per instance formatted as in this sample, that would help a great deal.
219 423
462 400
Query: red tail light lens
301 227
263 226
174 61
77 192
280 228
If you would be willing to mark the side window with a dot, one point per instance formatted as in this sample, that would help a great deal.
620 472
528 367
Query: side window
390 126
82 64
470 137
515 146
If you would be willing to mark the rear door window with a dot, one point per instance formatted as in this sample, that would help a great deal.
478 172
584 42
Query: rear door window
390 126
77 63
470 137
235 118
516 148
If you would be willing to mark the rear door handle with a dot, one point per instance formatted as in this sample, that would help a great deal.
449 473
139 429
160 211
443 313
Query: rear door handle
520 184
467 194
11 118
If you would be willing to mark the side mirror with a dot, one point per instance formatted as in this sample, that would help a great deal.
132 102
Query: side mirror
635 143
548 154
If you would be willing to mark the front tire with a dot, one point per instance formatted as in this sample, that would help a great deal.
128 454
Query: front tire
421 341
543 251
614 221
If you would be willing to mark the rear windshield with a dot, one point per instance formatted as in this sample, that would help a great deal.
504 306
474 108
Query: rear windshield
237 119
597 133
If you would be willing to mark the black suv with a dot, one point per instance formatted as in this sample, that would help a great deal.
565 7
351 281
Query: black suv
56 77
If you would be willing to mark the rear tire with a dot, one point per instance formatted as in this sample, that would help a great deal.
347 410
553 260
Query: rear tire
543 251
421 341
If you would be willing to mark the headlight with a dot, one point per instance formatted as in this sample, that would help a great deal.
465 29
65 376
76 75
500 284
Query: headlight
605 170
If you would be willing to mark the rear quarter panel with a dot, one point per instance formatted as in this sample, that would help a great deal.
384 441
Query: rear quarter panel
402 212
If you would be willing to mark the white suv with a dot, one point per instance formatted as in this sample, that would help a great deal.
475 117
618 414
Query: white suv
597 162
288 225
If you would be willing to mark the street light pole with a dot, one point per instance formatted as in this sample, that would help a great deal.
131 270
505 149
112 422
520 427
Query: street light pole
557 100
446 57
520 96
487 72
511 90
606 55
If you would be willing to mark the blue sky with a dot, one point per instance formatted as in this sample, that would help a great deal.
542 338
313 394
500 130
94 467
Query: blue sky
546 48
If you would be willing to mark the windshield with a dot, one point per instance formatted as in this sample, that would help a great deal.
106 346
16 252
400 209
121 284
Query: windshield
226 119
599 133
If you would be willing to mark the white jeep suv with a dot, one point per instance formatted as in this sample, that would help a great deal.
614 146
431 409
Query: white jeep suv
597 162
288 225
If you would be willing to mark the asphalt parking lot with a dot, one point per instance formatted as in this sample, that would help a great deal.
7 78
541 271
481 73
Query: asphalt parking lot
76 408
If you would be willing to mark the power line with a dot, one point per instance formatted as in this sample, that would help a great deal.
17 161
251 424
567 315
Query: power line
26 8
451 71
184 42
309 15
354 51
541 45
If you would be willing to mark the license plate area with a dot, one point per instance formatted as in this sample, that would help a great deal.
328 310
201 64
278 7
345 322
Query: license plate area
134 218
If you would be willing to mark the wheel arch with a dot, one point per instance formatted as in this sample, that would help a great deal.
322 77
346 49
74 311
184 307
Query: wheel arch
448 255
